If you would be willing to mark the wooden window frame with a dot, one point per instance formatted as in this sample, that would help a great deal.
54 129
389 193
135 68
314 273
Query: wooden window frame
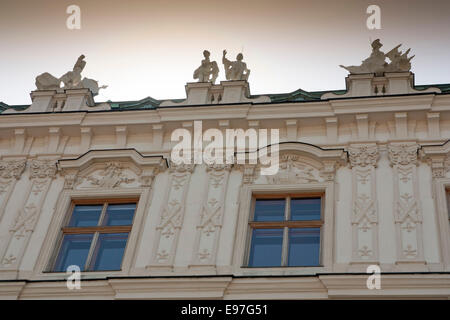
95 230
286 224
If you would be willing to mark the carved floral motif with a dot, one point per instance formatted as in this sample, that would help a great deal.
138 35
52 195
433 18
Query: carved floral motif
292 170
25 221
365 155
12 168
42 169
111 177
402 154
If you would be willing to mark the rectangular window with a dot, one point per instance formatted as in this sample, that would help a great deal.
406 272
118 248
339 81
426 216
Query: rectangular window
286 231
96 234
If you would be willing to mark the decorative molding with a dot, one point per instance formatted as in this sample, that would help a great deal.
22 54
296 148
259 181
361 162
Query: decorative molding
363 160
294 169
42 172
438 158
211 217
363 155
407 212
402 154
298 163
171 216
10 172
110 169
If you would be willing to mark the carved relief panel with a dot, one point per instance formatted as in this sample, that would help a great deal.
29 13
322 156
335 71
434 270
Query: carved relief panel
211 217
10 172
172 214
112 169
42 172
407 211
364 217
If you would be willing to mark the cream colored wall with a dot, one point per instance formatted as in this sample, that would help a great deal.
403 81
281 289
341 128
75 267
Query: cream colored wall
106 133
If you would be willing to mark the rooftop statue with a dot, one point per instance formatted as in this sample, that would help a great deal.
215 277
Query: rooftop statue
235 70
399 60
208 70
71 79
377 64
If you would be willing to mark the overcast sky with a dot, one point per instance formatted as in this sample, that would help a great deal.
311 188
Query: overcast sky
151 48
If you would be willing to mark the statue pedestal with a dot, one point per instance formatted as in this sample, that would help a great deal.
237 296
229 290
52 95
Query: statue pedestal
58 100
198 92
201 93
42 101
235 91
390 83
77 99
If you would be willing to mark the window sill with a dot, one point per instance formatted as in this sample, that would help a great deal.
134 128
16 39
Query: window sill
55 276
287 270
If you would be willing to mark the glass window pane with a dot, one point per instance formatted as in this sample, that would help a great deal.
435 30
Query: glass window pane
266 248
85 215
109 251
119 214
74 251
305 209
269 209
304 247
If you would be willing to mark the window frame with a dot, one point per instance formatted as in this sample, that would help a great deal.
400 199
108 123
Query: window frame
286 224
45 256
95 230
243 236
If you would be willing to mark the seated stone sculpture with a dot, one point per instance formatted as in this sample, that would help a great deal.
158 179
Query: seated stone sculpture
208 70
235 70
375 63
71 79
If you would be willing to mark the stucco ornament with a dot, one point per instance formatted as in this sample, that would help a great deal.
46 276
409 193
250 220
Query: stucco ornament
235 70
365 155
111 177
376 62
208 70
71 79
403 154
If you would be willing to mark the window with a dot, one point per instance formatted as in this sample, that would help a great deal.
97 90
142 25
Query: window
95 235
285 231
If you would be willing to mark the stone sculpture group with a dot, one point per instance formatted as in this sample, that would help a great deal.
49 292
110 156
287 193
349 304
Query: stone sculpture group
71 79
234 70
208 70
376 62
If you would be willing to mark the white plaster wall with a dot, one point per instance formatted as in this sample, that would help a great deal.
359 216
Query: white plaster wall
343 236
430 230
142 140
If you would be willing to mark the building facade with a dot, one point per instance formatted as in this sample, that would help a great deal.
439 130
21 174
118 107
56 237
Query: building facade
362 181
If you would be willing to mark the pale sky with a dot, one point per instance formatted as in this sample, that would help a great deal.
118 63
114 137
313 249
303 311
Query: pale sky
151 48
